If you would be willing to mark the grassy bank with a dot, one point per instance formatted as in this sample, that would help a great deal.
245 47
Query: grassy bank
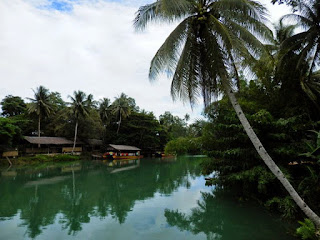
38 159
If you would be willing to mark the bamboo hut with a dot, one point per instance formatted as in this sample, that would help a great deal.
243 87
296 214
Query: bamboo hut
50 145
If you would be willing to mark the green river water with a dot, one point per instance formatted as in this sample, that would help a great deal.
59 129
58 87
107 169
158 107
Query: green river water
142 199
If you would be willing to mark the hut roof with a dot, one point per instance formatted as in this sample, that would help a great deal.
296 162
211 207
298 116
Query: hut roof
49 140
94 142
124 147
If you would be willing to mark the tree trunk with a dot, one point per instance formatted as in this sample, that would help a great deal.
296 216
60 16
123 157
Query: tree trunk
39 133
268 160
119 124
75 136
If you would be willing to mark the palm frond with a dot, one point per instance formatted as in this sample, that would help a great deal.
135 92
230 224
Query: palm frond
303 21
247 8
41 103
165 58
176 8
205 49
185 79
161 10
146 14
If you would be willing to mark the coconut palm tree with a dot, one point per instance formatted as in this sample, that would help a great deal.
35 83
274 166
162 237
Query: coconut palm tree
268 66
121 108
40 105
104 109
80 106
201 54
307 43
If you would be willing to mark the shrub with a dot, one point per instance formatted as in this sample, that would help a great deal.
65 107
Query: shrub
307 230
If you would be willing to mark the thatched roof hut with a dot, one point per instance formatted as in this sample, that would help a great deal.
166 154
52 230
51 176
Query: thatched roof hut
50 145
120 148
48 140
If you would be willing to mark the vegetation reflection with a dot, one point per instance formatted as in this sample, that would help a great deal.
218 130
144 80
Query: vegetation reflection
71 195
219 217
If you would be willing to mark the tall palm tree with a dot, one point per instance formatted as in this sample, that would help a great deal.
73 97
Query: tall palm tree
80 106
307 43
104 109
202 51
121 108
267 66
40 105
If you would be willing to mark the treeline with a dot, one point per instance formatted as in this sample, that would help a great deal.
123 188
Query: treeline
119 121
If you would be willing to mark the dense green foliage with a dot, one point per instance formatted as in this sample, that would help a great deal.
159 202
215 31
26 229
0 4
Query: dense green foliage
283 130
39 159
13 106
184 145
10 133
118 122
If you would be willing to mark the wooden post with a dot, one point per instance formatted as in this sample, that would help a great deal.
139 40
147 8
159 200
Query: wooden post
9 161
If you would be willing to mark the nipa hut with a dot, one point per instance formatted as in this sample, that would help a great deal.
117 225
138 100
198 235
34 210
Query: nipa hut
50 145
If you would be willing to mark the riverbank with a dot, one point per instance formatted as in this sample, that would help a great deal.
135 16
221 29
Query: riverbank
39 159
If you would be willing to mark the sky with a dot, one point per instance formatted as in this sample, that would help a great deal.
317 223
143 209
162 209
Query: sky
87 45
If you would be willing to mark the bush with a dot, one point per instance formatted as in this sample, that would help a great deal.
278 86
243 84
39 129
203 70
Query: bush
307 230
45 158
65 157
183 145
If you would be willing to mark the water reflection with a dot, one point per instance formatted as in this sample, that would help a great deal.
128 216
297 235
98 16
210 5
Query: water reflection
129 195
81 191
219 217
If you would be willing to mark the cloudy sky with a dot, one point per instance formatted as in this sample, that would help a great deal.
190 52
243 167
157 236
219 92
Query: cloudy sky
88 45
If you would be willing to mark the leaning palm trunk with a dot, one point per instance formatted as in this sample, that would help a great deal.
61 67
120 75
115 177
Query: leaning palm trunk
39 120
119 124
268 160
75 136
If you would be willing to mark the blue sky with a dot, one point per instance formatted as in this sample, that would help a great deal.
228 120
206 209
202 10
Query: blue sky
67 5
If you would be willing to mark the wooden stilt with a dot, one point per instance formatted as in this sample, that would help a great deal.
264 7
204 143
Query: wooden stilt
9 161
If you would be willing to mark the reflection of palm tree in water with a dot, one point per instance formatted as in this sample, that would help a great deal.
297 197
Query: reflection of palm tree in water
73 215
220 217
33 221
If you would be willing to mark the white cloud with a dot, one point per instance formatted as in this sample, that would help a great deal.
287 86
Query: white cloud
276 11
93 48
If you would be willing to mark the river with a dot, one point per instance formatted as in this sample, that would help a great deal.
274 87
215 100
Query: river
142 199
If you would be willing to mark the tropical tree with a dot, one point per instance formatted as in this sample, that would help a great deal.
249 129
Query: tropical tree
201 54
268 69
104 109
40 105
186 117
9 133
80 106
307 43
173 125
283 32
13 106
121 108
